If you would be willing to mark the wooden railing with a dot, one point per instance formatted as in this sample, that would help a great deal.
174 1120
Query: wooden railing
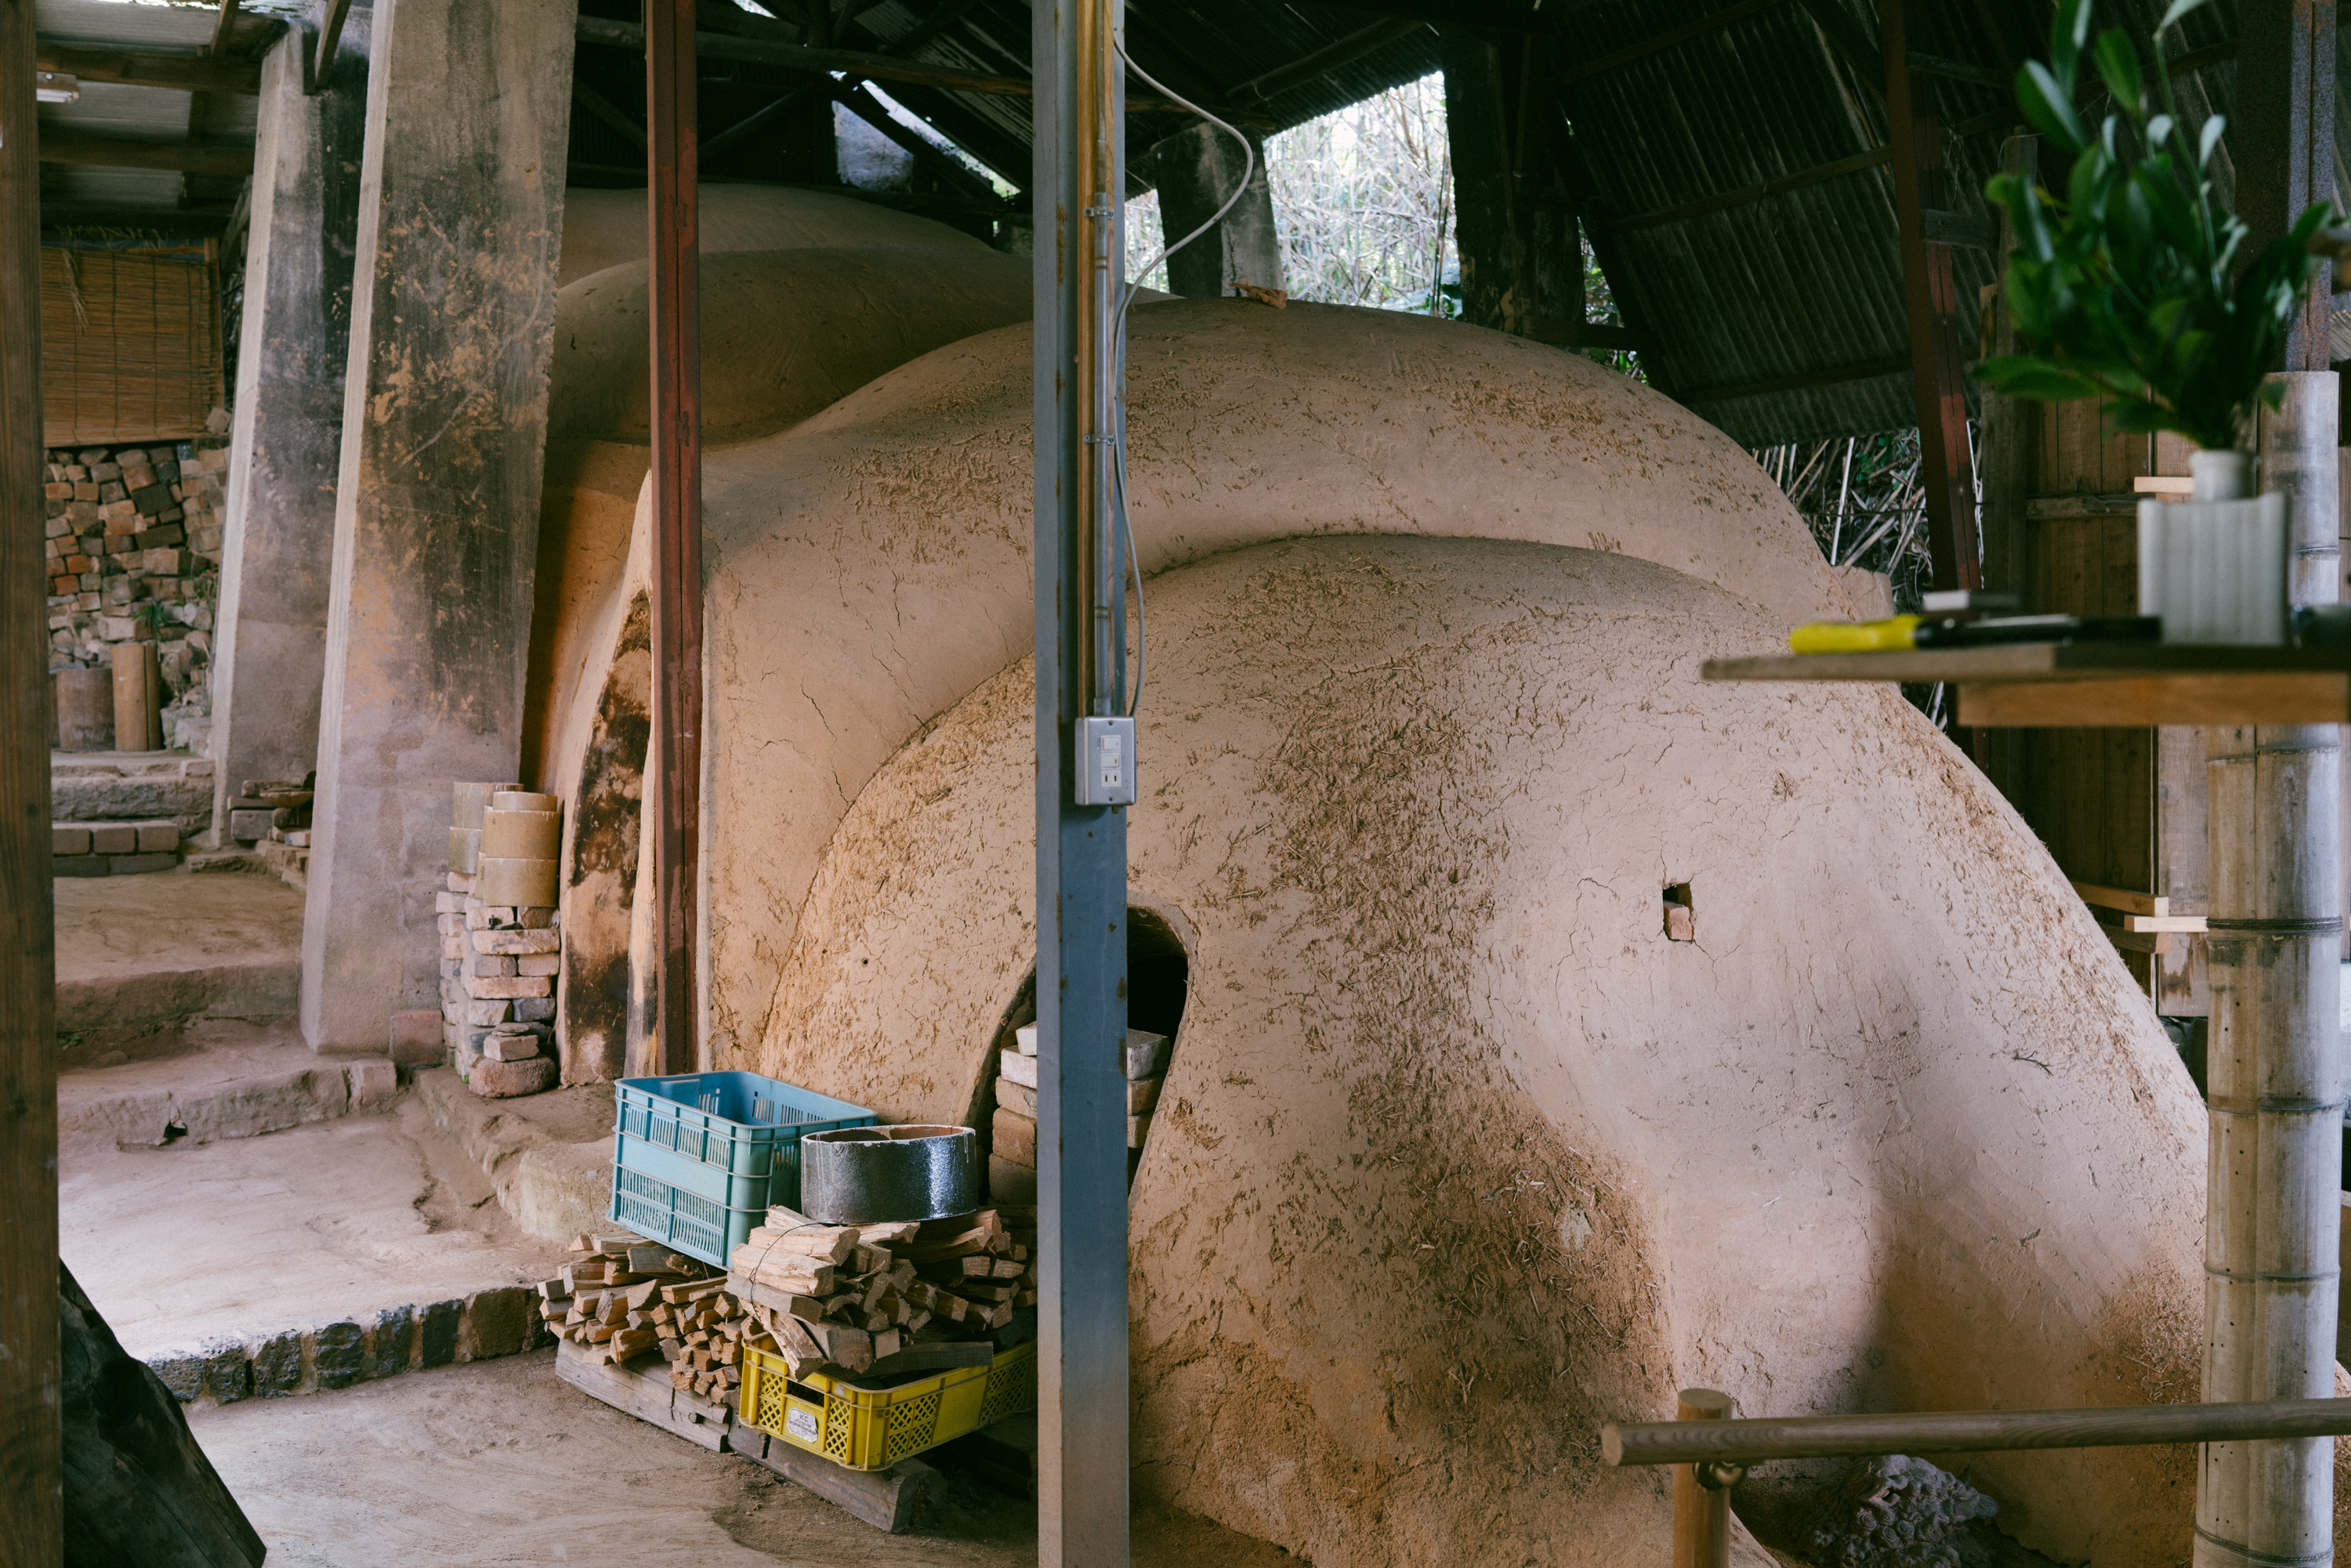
1713 1451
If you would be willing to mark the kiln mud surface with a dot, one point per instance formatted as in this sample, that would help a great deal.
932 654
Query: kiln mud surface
1459 1155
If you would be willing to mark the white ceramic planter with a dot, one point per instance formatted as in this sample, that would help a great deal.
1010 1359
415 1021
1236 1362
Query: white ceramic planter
2215 565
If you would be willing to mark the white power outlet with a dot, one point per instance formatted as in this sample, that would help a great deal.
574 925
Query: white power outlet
1105 760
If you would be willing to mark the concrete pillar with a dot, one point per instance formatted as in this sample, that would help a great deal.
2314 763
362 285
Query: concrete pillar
270 644
437 505
1196 171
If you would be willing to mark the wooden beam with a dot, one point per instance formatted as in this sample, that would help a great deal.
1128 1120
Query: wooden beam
1749 194
1497 19
32 1456
1324 60
183 73
1930 299
853 96
604 108
1803 381
330 39
224 30
852 62
1713 21
114 153
674 760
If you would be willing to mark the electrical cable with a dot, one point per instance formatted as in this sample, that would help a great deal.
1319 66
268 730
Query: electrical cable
1118 340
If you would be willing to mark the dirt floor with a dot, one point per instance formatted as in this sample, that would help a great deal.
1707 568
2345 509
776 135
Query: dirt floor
501 1462
176 1245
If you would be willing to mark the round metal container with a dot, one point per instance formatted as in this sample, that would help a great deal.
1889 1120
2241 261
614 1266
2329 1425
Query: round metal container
871 1175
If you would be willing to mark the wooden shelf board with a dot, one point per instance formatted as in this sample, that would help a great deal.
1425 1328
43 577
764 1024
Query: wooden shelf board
2095 685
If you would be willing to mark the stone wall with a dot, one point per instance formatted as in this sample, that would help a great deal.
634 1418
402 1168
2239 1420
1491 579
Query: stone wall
134 546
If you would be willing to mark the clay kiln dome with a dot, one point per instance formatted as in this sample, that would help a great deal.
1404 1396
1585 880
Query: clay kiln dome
785 333
1459 1155
608 228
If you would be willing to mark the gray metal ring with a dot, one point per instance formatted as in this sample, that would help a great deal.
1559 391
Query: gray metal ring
871 1175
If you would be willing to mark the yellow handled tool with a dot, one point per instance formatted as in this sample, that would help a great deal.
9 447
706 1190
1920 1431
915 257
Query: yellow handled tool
1896 635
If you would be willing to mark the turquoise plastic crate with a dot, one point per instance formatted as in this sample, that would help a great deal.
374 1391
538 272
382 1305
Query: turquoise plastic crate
699 1157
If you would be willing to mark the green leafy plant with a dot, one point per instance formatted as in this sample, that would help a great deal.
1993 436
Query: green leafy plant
2131 290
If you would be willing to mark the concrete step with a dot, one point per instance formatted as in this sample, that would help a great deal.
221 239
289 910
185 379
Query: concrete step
141 959
548 1156
235 1090
319 1256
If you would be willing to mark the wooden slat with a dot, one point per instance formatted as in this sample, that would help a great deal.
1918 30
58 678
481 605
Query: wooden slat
182 72
2037 661
118 153
1713 21
2123 899
2159 700
32 1463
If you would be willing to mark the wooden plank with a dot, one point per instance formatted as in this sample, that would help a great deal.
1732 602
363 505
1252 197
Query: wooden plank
642 1388
2123 899
2183 866
2038 662
32 1458
2062 508
181 73
330 39
888 1499
2279 698
119 152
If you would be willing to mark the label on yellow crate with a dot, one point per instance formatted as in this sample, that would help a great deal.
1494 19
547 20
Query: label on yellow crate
801 1423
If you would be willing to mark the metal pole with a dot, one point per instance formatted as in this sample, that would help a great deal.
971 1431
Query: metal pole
32 1440
674 767
1081 849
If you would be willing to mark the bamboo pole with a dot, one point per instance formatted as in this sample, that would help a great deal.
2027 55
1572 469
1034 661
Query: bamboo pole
2275 1071
1701 1513
1754 1442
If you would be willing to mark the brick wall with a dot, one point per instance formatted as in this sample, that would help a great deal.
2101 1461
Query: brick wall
134 544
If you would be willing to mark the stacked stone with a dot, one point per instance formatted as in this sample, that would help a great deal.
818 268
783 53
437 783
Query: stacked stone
134 546
500 960
1012 1157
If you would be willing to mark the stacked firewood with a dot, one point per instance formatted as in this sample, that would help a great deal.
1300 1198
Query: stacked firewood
887 1298
621 1297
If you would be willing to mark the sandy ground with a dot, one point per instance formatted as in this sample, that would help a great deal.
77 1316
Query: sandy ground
501 1462
177 1245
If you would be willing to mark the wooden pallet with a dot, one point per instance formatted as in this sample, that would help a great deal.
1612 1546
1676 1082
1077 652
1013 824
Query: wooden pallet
888 1499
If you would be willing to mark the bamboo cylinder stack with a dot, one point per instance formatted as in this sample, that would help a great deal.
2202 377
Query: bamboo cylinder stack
2274 1071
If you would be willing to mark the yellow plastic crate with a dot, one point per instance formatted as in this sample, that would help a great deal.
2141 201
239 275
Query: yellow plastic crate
873 1429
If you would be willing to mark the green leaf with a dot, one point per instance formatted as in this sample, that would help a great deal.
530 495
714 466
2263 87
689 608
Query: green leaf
2178 9
2028 376
2209 139
2069 29
2050 107
2118 66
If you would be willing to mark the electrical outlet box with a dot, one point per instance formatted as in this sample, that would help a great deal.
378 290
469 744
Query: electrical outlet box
1105 762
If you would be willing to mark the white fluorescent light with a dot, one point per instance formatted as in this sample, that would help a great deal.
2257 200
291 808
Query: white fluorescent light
55 87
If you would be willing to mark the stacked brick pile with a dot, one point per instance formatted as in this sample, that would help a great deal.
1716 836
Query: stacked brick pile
1012 1157
273 815
113 815
499 961
134 546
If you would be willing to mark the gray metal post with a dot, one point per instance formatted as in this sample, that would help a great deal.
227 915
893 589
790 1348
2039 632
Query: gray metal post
1080 850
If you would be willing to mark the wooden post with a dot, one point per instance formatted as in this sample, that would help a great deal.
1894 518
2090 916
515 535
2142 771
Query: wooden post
1930 294
32 1459
1701 1513
674 288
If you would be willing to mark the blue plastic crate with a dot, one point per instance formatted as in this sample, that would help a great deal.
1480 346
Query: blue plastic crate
700 1157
